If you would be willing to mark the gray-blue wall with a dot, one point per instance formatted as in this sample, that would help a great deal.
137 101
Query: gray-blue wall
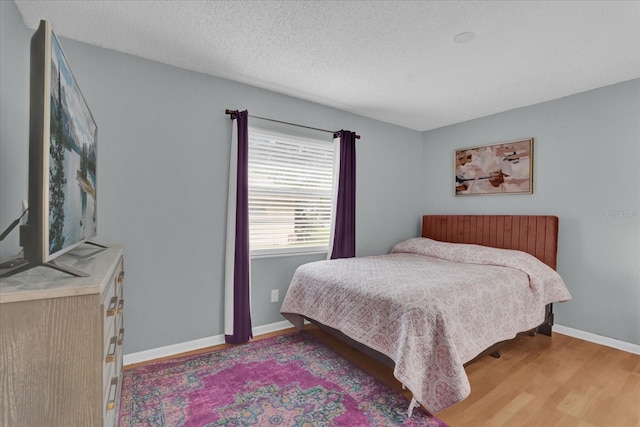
14 119
587 172
162 180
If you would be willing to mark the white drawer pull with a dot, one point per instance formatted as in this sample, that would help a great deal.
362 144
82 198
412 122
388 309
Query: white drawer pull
121 277
111 354
111 310
113 389
120 336
120 306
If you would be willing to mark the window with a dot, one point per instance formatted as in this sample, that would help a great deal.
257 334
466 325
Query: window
290 187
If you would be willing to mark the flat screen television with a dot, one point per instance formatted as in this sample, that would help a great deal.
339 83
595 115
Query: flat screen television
63 149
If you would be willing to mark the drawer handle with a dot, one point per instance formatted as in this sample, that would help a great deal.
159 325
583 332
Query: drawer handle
120 306
121 336
113 389
111 354
112 306
121 277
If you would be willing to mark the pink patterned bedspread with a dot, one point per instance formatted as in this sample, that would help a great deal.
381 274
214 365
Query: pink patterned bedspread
430 306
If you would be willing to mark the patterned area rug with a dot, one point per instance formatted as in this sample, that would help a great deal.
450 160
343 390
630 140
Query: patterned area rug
290 380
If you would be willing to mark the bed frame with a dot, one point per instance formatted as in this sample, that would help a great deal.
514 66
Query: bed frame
534 234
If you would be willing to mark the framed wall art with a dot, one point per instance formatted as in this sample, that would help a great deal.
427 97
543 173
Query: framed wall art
505 168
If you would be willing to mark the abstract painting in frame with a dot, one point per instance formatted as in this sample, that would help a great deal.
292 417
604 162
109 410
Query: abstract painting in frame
505 168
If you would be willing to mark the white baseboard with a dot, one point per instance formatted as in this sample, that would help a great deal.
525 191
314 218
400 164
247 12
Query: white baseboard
171 350
597 339
174 349
272 327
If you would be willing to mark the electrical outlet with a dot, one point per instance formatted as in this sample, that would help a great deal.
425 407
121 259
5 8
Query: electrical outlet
275 295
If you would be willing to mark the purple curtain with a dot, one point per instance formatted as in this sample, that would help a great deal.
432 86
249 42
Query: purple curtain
241 262
344 239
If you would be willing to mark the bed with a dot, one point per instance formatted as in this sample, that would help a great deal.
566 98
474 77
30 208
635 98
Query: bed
437 302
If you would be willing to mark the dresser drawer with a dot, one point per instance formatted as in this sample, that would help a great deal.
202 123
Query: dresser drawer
110 404
113 337
109 366
112 303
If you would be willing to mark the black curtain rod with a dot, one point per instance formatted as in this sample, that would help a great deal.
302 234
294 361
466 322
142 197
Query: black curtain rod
286 123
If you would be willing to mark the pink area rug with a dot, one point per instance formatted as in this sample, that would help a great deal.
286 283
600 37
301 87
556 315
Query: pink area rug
290 380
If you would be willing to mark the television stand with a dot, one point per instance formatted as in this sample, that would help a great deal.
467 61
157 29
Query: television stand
17 264
65 269
23 265
100 245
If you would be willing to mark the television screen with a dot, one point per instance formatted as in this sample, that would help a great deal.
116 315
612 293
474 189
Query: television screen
62 158
72 159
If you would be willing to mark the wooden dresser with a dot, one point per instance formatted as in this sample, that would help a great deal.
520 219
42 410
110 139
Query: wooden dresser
61 342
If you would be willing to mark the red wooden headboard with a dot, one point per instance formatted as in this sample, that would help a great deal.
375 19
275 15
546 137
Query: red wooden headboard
534 234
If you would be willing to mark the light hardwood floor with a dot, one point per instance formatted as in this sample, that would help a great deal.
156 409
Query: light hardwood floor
538 381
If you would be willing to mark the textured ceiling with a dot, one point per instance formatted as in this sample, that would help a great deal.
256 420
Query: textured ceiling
393 61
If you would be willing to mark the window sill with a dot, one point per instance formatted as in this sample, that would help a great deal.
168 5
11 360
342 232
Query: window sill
287 254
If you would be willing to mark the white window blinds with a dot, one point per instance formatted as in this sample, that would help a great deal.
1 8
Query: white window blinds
290 185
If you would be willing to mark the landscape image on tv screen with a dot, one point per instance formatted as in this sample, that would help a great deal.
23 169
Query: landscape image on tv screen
72 159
